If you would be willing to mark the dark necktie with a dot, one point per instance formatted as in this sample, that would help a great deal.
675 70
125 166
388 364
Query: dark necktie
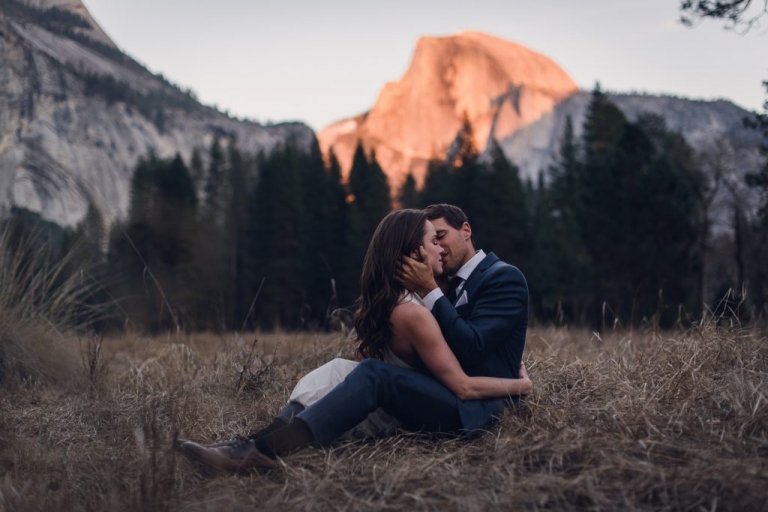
453 284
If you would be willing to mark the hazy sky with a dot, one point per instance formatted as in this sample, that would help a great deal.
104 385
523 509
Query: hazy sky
319 61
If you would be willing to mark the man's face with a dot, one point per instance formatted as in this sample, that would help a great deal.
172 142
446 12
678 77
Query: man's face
456 245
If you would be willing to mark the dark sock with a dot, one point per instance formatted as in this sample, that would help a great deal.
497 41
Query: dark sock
291 438
282 419
276 424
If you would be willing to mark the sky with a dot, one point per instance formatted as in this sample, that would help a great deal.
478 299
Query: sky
323 60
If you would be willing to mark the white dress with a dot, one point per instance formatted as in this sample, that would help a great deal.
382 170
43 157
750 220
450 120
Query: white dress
320 381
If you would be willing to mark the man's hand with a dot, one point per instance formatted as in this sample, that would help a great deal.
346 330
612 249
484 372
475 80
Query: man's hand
416 275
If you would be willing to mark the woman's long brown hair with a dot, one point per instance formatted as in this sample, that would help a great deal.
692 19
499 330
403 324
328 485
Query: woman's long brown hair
398 234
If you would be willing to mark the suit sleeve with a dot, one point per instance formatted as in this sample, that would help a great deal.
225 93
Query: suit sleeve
501 307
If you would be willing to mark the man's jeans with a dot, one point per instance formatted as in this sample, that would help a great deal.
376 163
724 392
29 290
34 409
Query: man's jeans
418 401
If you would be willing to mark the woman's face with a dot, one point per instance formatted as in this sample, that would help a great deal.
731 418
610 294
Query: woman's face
433 249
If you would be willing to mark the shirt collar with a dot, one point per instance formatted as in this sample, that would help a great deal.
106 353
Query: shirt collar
467 269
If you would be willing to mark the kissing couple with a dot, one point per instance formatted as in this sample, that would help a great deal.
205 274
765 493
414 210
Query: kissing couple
430 358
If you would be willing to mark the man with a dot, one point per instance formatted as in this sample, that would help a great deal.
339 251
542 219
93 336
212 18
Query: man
484 313
483 316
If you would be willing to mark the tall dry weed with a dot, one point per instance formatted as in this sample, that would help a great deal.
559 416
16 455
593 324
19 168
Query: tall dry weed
40 305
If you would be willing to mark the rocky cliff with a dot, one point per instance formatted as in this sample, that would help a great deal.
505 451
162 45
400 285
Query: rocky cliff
90 28
500 86
515 95
76 114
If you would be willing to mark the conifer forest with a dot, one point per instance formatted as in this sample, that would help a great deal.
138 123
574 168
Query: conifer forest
619 232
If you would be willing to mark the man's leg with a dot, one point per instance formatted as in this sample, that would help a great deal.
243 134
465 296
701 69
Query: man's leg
285 417
307 391
419 402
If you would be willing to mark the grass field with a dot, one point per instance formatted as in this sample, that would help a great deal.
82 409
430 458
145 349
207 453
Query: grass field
619 421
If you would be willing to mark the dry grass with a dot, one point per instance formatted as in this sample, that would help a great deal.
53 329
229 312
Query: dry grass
38 301
643 421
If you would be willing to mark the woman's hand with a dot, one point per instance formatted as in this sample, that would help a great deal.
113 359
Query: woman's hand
523 374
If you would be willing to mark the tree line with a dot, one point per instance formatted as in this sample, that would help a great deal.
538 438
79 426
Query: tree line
616 232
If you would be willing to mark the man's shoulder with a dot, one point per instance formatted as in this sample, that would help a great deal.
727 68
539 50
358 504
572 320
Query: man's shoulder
495 268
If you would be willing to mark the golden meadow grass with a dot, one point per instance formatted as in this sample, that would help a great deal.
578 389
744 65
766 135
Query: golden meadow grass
623 420
626 420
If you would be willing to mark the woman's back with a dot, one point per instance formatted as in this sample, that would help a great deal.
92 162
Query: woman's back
400 348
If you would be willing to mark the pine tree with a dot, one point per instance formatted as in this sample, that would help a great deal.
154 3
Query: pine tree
631 175
233 250
503 223
437 184
197 171
338 231
92 234
152 253
465 175
369 188
214 185
277 215
408 196
669 214
368 203
560 264
468 184
316 267
214 299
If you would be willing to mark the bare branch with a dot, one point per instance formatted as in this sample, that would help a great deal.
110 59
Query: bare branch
737 13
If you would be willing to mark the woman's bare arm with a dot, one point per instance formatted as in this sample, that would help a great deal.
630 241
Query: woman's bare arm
415 325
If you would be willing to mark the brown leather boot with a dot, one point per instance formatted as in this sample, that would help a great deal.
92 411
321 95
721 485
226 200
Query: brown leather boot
227 442
238 457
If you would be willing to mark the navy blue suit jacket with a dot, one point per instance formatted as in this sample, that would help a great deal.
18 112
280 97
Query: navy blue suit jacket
487 333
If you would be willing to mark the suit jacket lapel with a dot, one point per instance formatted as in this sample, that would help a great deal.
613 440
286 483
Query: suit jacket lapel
489 260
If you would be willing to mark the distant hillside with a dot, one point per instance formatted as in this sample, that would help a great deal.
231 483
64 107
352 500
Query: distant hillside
714 129
701 122
76 114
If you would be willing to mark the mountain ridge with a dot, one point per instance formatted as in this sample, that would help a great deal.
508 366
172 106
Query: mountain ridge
470 73
76 115
523 114
76 7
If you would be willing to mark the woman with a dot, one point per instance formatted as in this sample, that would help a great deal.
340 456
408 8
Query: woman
391 324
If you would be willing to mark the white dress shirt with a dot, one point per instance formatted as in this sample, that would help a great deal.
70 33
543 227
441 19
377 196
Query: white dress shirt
464 273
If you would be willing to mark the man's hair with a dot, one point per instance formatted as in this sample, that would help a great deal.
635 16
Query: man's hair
453 215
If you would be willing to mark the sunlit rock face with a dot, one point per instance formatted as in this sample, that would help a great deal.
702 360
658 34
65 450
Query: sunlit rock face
500 86
520 98
61 147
